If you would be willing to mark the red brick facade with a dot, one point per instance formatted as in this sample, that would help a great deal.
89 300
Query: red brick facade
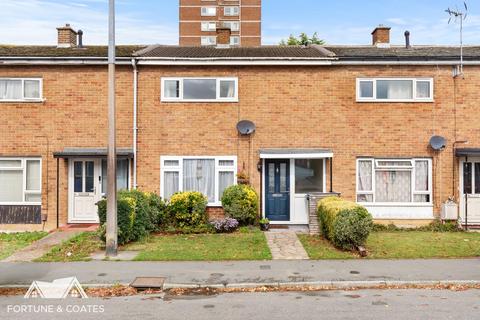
292 107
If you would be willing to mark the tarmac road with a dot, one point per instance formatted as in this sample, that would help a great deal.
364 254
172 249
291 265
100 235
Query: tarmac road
364 304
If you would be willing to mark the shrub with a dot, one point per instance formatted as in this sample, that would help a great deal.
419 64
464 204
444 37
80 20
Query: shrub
138 214
225 225
346 224
188 209
438 226
240 202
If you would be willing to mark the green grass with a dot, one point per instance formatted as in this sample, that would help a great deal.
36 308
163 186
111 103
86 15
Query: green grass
78 248
11 242
402 245
250 245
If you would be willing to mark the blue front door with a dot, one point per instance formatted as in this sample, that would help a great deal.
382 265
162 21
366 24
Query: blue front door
277 190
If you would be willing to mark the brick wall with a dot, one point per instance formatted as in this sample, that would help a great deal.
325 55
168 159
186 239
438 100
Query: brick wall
73 115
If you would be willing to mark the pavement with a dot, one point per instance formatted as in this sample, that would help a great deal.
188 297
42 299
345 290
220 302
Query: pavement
339 273
40 247
285 246
354 305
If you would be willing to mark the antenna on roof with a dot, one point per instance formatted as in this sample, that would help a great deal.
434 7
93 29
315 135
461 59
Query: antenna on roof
459 15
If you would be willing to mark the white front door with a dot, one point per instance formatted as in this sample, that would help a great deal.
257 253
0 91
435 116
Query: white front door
84 190
470 191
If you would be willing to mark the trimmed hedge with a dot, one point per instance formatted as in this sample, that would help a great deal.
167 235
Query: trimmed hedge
138 214
240 202
188 209
346 224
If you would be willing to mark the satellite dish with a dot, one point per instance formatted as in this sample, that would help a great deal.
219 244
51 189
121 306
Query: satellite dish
438 143
246 127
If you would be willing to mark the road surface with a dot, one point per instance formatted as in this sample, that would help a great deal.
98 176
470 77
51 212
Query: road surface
365 304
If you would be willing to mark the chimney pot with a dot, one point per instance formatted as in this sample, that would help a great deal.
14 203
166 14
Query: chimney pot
223 37
67 37
381 36
407 39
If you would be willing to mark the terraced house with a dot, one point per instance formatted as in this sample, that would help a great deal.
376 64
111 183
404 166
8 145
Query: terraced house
298 122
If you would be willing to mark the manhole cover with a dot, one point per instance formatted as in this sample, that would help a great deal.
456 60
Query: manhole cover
148 283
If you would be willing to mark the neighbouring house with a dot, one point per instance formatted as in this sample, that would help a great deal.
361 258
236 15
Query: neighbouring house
353 120
239 20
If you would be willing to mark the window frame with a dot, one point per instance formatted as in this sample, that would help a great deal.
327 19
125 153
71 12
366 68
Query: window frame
179 170
414 90
232 8
23 168
208 24
232 42
203 42
232 22
181 93
24 99
413 191
206 8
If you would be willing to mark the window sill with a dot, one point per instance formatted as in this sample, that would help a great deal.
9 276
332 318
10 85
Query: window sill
24 101
20 203
395 204
396 101
198 101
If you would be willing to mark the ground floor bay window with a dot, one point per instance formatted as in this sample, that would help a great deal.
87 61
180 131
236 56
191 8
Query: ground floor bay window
208 175
395 188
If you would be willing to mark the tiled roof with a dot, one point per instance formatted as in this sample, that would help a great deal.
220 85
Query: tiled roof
160 51
403 53
53 51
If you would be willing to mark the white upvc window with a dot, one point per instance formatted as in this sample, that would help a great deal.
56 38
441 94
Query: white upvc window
208 11
232 25
208 40
395 90
394 181
231 11
234 40
210 175
199 90
209 26
20 181
21 89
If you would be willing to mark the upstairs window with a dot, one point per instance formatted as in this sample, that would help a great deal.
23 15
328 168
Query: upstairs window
400 181
209 26
209 11
231 11
200 89
208 41
234 40
17 89
232 25
395 90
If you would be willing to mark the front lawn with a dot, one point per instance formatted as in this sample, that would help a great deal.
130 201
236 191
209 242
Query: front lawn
402 245
246 245
78 248
11 242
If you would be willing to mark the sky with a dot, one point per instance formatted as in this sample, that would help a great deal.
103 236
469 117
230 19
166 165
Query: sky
156 21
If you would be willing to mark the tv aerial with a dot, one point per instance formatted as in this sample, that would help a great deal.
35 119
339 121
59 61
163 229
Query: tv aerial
458 15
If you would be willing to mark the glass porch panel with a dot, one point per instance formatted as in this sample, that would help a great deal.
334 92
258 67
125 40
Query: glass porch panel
467 178
309 175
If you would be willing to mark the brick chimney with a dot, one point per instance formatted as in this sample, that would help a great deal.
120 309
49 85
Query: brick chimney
223 37
67 37
381 36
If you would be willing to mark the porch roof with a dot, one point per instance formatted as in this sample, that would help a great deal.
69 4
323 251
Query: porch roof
289 153
91 152
468 152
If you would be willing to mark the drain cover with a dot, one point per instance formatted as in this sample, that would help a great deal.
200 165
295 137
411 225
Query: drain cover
148 283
